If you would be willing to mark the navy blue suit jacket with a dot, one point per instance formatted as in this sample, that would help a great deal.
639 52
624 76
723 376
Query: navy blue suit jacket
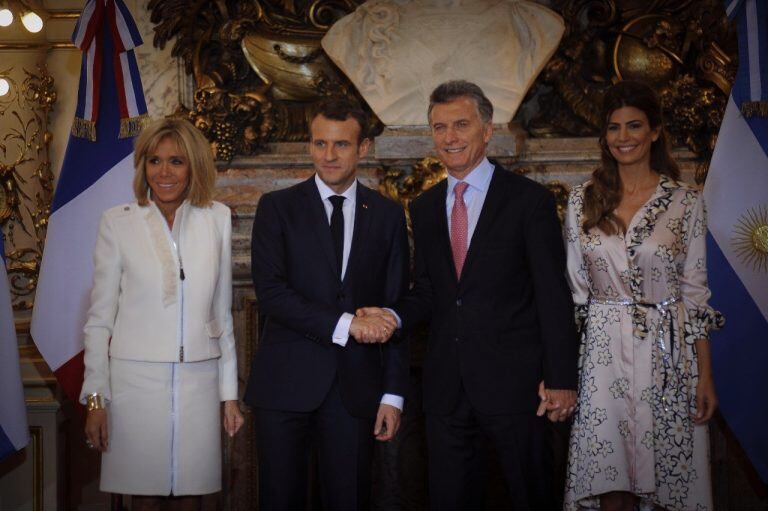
507 323
301 299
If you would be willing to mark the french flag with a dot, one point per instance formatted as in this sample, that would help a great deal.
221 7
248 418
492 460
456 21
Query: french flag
14 433
97 174
736 194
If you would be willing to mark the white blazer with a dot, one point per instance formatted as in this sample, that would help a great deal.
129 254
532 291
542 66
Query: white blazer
142 310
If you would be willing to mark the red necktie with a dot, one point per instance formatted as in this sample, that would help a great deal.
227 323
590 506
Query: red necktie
459 224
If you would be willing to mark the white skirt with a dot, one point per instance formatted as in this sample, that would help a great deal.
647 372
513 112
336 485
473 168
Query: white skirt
164 425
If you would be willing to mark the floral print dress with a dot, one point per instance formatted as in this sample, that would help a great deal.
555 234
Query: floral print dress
641 300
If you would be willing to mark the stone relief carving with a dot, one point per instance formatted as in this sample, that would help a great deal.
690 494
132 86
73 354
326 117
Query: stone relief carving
397 51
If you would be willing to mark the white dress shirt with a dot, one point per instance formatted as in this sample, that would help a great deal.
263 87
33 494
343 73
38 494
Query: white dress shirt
341 332
479 179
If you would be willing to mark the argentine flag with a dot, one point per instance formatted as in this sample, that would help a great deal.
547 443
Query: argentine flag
14 433
97 174
736 194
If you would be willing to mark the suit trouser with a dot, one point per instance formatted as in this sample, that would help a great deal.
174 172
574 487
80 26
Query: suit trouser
344 447
458 468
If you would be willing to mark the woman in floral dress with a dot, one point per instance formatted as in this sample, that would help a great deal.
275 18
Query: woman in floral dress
636 265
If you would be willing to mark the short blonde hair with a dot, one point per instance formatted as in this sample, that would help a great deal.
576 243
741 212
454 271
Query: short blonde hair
192 144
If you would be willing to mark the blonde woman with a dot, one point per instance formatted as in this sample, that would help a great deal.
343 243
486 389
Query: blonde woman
159 343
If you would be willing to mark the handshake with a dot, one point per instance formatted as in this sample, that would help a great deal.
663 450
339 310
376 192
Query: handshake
372 325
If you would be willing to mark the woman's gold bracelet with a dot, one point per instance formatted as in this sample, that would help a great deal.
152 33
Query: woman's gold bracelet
94 402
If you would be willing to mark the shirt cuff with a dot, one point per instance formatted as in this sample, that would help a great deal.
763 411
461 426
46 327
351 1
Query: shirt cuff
341 332
399 321
393 400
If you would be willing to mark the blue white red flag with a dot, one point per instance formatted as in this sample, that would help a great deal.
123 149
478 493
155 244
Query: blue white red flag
14 433
736 193
97 174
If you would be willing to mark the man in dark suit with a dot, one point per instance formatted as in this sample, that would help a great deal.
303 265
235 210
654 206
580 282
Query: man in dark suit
490 274
322 377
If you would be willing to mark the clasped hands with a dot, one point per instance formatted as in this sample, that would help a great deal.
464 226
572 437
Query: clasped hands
372 325
557 404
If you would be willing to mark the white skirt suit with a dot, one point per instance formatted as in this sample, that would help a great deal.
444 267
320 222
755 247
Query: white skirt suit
160 348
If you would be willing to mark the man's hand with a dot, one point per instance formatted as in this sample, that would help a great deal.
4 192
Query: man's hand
374 324
557 404
96 433
370 329
387 423
378 312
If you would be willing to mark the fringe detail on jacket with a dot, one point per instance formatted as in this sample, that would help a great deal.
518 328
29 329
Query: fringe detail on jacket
162 247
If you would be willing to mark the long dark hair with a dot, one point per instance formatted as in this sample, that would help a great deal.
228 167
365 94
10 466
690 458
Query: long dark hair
603 195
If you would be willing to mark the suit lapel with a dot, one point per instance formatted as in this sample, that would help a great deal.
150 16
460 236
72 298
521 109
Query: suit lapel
363 213
494 200
318 218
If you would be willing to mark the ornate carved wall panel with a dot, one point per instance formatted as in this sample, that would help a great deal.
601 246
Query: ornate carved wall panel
26 181
685 49
258 66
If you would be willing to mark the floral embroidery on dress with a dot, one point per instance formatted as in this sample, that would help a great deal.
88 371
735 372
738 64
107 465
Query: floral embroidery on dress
638 369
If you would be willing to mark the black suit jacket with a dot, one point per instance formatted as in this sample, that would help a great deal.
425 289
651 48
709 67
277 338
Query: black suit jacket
301 299
508 322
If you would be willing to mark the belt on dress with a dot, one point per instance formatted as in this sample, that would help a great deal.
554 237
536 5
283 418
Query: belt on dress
667 352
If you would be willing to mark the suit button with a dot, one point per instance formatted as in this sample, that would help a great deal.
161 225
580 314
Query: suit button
456 339
458 302
340 296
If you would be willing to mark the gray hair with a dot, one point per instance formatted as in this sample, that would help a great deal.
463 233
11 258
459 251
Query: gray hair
454 89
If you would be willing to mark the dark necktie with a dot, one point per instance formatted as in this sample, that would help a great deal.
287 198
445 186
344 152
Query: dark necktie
337 228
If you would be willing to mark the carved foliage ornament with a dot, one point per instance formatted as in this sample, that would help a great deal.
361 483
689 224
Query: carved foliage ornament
685 49
257 65
26 181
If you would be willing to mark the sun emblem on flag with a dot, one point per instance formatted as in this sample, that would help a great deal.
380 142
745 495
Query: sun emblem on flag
750 239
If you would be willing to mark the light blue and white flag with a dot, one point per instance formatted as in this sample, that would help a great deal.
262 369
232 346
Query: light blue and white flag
14 433
736 194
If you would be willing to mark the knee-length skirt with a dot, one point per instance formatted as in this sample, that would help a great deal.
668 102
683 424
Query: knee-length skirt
164 424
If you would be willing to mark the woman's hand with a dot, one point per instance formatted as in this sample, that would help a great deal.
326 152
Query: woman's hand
96 434
706 398
233 418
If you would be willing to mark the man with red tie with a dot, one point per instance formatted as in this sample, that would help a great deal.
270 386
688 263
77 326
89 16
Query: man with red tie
502 346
